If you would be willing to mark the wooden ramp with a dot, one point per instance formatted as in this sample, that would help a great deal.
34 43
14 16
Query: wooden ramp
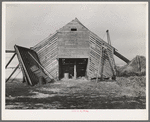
29 62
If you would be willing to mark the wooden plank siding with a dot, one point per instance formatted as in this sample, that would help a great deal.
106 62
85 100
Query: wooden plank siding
47 52
44 42
79 43
95 58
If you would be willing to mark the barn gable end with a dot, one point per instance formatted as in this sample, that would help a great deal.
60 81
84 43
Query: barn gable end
74 41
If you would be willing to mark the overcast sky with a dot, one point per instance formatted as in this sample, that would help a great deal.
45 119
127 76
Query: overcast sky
28 24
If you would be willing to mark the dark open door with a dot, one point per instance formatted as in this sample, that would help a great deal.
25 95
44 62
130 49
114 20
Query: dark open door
67 65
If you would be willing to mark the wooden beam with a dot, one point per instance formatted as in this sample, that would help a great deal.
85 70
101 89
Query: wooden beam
15 76
10 60
10 51
110 63
12 72
121 57
23 65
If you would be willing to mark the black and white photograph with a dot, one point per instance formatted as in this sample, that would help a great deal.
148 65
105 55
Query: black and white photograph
76 60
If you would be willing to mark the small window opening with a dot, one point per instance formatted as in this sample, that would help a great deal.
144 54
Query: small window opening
73 29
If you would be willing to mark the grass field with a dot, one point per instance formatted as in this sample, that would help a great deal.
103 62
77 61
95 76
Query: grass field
124 93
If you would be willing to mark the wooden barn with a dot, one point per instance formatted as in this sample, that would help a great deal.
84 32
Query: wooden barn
73 51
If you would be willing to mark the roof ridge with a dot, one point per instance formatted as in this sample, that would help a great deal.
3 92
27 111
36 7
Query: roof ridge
74 20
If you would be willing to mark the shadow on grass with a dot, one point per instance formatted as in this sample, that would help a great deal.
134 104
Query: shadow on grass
72 102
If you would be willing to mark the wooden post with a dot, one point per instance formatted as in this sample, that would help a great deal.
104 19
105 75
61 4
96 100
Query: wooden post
102 63
10 60
12 72
75 71
114 75
108 37
87 69
98 71
24 80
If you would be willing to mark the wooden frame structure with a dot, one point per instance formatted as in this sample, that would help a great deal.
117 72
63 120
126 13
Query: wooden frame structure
71 42
74 40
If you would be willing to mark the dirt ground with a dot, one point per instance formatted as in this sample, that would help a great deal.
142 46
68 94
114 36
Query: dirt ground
124 93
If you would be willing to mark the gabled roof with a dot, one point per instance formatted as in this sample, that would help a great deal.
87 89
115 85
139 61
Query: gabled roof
73 22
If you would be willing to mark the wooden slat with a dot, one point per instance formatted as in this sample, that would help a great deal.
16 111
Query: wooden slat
51 65
45 49
42 43
95 59
47 46
99 39
49 55
48 50
95 41
49 62
42 67
54 72
54 68
94 53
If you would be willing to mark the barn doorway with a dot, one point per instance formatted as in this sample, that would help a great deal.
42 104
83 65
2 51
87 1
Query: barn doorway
74 67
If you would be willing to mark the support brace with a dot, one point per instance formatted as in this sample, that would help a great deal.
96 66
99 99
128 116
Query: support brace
102 63
42 67
10 60
13 72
